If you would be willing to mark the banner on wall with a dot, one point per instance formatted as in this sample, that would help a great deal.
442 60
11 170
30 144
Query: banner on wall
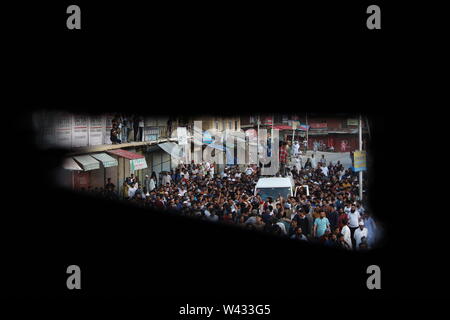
80 131
96 130
63 130
45 124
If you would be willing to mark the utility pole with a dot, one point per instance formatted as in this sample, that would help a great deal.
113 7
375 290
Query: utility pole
257 141
293 132
271 136
360 149
273 118
307 130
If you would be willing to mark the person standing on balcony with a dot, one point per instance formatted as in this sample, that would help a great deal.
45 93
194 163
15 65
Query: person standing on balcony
125 128
141 128
115 131
169 127
135 126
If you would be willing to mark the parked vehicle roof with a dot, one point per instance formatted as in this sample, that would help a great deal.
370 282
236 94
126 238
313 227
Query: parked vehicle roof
274 182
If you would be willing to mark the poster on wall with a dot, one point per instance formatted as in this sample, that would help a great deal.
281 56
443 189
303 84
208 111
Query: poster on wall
96 130
63 130
80 131
151 133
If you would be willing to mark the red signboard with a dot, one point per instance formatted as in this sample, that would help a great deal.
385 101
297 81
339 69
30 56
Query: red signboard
267 120
318 125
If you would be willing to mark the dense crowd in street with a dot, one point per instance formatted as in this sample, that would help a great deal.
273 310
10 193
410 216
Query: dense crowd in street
331 214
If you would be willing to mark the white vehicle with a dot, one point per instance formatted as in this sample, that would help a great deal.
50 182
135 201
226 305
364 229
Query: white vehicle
274 187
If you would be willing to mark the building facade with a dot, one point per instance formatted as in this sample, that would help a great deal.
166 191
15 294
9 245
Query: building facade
326 132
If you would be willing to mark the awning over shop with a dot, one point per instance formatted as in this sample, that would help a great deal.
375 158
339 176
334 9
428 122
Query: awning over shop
87 162
105 159
70 164
137 161
126 154
282 127
301 127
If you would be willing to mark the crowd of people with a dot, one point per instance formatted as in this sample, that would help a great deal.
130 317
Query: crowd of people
331 214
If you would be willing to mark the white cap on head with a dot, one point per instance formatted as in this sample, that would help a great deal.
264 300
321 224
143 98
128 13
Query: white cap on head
361 223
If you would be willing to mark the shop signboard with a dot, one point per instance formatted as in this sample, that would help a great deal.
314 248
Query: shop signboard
359 161
318 125
138 164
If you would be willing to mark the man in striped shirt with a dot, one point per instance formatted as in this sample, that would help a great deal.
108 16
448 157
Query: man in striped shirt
283 159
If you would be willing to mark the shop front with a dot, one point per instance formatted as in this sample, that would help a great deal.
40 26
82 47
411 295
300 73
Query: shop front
82 179
129 163
90 171
107 170
160 158
66 177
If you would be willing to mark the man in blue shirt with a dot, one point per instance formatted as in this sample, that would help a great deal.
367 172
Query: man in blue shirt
321 225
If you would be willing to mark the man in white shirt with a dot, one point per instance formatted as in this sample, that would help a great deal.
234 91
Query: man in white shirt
298 163
295 148
313 162
166 179
346 233
360 233
325 170
353 217
353 220
132 190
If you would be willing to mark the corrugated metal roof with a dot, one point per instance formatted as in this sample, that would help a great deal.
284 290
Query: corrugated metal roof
126 154
87 162
70 164
105 159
